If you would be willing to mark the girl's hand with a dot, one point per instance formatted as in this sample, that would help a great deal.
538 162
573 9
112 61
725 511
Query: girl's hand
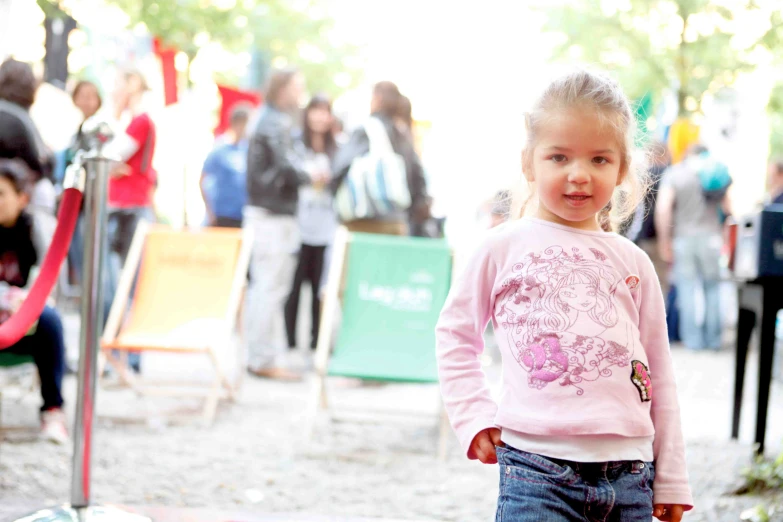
668 512
484 443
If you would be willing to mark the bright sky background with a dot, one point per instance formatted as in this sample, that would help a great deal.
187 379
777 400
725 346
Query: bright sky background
469 68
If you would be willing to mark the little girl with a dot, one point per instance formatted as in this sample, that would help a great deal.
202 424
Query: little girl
588 425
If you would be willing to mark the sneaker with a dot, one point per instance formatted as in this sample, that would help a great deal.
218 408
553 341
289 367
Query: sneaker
53 426
300 361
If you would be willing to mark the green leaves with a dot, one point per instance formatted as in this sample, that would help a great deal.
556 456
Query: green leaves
298 33
775 111
50 8
685 45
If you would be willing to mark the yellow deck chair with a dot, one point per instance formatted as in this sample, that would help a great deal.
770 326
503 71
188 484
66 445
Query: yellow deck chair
187 296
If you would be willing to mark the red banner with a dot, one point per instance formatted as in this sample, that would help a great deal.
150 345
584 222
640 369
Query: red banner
229 98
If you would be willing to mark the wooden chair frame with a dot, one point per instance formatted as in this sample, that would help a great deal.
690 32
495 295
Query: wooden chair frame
221 387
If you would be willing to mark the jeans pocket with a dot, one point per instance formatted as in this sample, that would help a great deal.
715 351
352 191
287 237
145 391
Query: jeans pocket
534 469
646 477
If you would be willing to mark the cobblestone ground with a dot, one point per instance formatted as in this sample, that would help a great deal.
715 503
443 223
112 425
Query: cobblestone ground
256 457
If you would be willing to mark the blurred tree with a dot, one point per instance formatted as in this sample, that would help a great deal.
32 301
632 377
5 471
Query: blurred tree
775 110
51 8
287 32
690 46
773 39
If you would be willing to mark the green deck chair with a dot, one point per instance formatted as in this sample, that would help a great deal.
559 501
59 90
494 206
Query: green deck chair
393 292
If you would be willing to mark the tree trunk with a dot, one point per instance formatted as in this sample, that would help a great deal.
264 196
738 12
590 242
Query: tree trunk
681 65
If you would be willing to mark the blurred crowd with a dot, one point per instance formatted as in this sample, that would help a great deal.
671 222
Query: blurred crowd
286 170
289 172
302 180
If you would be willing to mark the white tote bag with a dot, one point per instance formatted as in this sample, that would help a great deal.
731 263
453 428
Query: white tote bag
377 182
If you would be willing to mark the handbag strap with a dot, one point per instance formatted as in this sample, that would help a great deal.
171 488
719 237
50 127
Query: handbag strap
380 145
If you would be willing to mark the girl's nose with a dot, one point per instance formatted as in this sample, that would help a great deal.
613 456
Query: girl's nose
578 173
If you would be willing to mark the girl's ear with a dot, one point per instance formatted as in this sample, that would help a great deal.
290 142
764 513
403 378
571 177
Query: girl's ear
622 175
21 203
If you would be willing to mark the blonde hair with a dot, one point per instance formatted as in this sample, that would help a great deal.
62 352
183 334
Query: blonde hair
132 73
583 88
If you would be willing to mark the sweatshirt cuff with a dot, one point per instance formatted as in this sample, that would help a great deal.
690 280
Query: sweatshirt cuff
673 496
469 432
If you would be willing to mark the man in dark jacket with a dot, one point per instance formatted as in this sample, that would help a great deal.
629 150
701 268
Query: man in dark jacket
384 106
19 138
274 174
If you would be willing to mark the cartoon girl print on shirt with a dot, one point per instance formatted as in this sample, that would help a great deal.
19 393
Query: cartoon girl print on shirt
555 311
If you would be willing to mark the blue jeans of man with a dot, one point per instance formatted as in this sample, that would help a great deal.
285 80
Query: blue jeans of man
697 269
534 488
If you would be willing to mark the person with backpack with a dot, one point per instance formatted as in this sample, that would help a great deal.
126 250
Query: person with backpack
691 207
379 182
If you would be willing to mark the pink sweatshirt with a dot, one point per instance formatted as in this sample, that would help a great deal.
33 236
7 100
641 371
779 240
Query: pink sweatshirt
580 320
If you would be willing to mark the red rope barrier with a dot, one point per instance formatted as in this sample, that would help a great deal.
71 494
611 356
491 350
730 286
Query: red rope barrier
12 331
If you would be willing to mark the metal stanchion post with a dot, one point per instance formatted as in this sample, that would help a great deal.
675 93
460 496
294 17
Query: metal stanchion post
94 182
97 174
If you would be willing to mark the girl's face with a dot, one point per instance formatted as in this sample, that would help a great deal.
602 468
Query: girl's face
87 100
319 119
580 296
576 167
12 203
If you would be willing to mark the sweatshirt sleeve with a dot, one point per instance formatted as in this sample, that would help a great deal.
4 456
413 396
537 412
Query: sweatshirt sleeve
460 342
671 474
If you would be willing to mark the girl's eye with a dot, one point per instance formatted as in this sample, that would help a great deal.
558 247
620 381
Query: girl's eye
600 160
591 293
558 158
566 293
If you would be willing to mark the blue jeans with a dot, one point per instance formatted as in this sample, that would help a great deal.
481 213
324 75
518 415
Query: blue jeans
697 268
76 250
114 260
47 348
535 488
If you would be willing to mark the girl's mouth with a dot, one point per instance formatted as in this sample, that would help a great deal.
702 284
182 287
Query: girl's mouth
577 200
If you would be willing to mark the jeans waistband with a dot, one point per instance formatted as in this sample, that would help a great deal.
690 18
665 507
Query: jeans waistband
591 467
